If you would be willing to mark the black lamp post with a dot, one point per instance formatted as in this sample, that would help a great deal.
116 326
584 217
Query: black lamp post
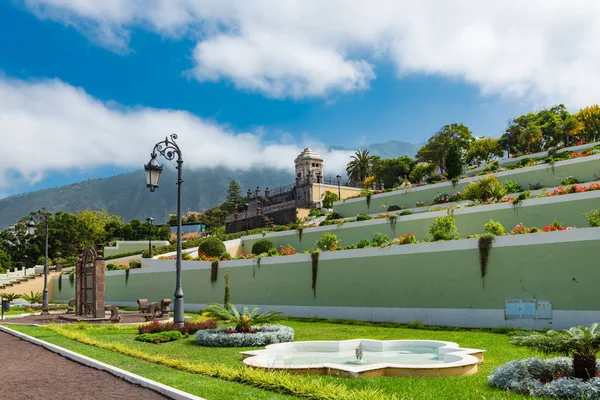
41 216
246 207
169 149
150 220
339 181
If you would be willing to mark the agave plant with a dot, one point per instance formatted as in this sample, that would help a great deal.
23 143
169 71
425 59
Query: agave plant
32 298
580 343
11 296
243 320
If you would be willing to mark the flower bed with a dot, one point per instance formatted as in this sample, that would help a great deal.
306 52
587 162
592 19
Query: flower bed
544 378
262 336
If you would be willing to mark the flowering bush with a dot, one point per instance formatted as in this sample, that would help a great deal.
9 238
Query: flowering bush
521 229
446 198
409 238
573 189
593 218
188 327
328 241
286 251
258 336
544 378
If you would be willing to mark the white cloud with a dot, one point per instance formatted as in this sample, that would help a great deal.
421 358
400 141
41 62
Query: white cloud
539 50
52 126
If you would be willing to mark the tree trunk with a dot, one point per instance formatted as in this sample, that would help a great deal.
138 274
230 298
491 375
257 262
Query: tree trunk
584 367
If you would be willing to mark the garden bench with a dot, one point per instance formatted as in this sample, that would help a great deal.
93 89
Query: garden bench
142 304
71 307
165 307
114 313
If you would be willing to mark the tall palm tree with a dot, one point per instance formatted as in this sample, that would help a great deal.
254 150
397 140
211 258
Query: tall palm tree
571 126
359 168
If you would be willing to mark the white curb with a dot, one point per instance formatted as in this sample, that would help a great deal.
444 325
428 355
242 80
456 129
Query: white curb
168 391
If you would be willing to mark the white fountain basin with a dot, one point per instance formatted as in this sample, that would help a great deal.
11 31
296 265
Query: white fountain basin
379 358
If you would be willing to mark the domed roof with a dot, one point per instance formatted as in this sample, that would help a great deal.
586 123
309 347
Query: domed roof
309 154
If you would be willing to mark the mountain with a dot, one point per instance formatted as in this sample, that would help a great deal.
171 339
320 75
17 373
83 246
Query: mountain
126 194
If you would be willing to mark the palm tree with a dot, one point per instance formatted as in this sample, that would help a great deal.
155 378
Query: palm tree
579 342
571 126
359 167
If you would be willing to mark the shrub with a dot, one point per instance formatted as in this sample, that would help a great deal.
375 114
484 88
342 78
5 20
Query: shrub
272 252
316 212
226 256
380 239
435 178
446 198
512 187
444 228
41 259
328 241
113 267
212 246
494 228
263 246
405 212
394 208
329 198
262 336
362 217
488 187
569 181
593 218
188 327
187 256
363 243
32 297
161 337
333 216
521 229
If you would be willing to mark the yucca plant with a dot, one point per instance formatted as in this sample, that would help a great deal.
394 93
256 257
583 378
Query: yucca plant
11 296
243 320
32 298
580 343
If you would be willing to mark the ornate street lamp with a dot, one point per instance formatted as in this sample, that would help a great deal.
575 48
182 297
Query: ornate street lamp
169 149
150 220
339 180
41 216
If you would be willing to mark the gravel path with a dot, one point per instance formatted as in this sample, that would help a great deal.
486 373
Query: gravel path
29 371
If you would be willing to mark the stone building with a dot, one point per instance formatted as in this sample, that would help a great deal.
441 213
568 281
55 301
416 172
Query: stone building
286 204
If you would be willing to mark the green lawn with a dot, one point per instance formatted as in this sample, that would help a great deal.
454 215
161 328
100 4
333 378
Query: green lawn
498 352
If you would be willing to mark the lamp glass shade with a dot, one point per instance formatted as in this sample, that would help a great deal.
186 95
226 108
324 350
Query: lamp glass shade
153 170
31 227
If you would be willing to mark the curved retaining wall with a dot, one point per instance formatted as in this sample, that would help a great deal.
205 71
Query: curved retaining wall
434 283
585 169
568 209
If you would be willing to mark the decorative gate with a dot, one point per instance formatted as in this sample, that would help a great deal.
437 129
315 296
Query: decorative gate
90 283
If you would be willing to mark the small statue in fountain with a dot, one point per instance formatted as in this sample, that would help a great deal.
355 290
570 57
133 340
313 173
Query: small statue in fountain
359 353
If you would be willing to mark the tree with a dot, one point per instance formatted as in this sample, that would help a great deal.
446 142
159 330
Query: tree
590 118
581 343
360 165
391 171
484 150
234 192
421 171
453 162
570 127
329 198
435 148
530 138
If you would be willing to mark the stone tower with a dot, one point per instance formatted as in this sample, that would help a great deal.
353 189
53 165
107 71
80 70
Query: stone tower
309 167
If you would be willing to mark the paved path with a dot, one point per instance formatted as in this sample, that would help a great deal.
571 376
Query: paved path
28 371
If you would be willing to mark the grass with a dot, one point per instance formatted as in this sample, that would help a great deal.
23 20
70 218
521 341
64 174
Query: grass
498 352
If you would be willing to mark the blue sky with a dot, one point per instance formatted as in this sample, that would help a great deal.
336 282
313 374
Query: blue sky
134 67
